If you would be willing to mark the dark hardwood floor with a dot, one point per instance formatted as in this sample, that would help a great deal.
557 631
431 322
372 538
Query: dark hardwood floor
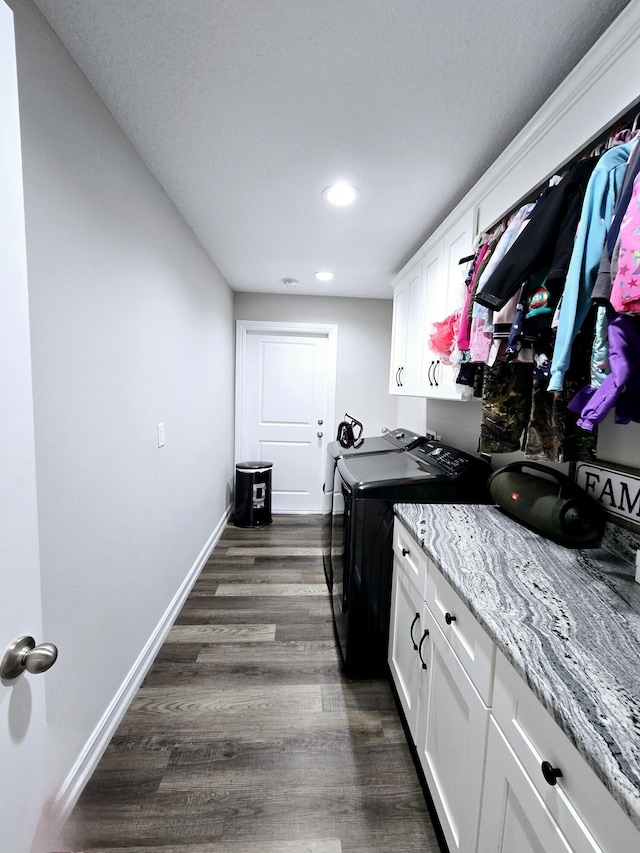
245 736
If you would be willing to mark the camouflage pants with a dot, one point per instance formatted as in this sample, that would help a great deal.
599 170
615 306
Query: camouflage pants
518 413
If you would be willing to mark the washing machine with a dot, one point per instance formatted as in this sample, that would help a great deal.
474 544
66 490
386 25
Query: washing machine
362 554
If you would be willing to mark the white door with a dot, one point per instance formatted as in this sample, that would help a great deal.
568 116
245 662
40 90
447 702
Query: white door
285 389
22 720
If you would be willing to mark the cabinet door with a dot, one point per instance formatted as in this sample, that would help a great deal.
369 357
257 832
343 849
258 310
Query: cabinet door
452 733
407 334
514 817
579 803
445 298
405 633
434 310
401 294
458 244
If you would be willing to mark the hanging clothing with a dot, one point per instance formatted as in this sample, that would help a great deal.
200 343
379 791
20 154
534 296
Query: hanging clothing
625 293
600 368
621 389
518 413
481 325
596 214
506 402
604 280
552 433
511 233
546 244
626 190
465 324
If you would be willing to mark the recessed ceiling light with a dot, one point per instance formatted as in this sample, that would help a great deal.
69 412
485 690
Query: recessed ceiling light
290 282
324 276
341 194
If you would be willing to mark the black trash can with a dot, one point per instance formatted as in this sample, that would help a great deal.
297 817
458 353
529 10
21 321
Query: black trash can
253 494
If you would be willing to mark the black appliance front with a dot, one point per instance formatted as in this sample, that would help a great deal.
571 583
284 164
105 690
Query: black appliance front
361 595
394 441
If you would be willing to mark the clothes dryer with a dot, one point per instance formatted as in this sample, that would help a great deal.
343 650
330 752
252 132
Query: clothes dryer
393 441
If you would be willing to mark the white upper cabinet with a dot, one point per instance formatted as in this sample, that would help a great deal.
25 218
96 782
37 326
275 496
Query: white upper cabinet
445 295
429 291
407 337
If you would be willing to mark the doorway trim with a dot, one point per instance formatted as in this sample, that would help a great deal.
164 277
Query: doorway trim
317 330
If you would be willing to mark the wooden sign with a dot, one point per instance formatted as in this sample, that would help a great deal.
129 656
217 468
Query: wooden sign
616 488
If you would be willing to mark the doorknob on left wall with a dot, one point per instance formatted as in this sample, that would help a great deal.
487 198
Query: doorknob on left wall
24 654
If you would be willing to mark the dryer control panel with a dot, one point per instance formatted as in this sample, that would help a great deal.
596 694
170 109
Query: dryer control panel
449 460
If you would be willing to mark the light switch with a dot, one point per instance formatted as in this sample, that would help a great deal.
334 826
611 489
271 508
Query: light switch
160 435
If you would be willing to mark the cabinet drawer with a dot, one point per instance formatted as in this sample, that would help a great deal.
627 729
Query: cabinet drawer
578 799
472 645
410 557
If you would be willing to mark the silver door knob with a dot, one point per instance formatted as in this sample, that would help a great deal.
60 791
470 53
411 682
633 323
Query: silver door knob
320 434
24 654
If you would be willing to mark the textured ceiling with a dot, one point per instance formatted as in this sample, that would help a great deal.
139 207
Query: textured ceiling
245 110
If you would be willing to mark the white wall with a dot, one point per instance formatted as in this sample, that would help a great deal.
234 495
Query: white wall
131 325
364 344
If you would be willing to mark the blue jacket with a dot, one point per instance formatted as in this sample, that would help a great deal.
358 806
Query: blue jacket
595 219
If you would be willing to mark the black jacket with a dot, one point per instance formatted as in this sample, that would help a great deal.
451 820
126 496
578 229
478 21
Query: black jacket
545 245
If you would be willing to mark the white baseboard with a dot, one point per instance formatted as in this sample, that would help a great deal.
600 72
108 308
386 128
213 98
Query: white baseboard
92 752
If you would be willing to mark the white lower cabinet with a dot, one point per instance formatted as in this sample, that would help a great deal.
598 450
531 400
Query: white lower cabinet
514 817
406 634
482 736
452 734
567 806
444 711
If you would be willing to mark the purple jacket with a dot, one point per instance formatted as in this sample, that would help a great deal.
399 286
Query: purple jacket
621 388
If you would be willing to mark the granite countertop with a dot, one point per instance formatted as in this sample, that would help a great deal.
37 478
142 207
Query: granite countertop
567 620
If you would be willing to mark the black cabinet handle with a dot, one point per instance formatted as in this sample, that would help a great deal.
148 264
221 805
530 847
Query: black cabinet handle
398 377
405 551
429 373
400 369
449 618
435 367
424 637
415 645
551 774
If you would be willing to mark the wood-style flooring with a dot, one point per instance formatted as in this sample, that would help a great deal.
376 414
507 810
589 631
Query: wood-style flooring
245 737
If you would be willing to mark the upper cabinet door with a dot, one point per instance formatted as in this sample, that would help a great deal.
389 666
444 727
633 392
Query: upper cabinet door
407 337
458 244
430 290
445 293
